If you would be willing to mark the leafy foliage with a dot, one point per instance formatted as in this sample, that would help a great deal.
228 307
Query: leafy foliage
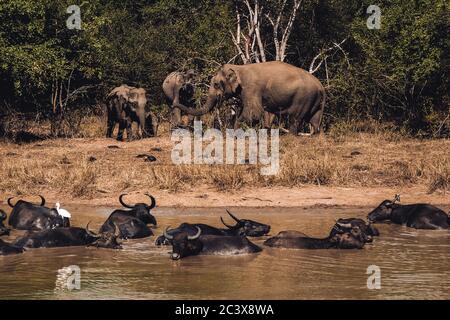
398 73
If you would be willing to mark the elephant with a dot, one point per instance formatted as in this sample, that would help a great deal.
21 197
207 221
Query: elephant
126 105
275 88
178 88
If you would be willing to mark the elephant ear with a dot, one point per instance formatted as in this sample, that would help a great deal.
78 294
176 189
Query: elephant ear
233 79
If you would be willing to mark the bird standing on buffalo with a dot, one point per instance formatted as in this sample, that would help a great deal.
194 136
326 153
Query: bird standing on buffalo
29 216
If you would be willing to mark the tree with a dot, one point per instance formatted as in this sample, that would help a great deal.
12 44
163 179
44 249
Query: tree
249 40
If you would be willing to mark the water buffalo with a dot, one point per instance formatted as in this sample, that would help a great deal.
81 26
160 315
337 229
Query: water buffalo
28 216
7 249
243 227
184 245
4 231
419 216
68 237
131 223
368 231
337 239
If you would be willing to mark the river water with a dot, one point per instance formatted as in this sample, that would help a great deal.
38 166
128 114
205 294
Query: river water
414 264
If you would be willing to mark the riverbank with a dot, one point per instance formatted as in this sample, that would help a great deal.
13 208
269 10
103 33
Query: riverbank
357 169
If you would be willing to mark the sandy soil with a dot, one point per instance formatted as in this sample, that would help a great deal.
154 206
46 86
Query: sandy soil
116 159
308 196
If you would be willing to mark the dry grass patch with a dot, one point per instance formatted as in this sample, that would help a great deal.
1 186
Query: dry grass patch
357 160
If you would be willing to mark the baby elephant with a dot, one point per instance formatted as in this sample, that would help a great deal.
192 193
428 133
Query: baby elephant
419 216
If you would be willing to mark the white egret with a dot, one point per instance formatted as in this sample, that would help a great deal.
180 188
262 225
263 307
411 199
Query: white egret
62 212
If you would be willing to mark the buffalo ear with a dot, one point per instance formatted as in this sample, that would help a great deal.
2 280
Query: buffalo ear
233 79
54 213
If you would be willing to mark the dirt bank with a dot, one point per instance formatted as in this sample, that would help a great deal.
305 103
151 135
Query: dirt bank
308 196
357 170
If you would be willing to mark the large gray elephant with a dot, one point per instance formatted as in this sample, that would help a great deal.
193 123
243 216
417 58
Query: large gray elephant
126 105
178 88
267 88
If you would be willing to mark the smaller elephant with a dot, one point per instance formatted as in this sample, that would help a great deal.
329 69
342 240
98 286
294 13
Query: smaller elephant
126 105
178 87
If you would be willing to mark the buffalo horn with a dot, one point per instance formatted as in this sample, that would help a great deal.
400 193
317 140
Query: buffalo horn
123 203
199 232
153 203
42 201
9 202
231 215
344 225
117 232
226 225
167 235
89 232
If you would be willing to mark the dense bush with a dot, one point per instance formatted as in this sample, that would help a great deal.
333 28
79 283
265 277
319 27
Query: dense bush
398 73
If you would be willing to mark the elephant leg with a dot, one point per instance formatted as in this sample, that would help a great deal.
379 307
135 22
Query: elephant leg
294 125
154 125
191 120
268 119
122 126
252 110
110 129
316 122
129 128
175 117
141 125
151 124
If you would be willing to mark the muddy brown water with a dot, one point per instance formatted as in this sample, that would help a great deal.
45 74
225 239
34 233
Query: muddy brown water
415 264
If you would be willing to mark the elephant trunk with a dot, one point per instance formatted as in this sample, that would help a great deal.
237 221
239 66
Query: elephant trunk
142 121
209 105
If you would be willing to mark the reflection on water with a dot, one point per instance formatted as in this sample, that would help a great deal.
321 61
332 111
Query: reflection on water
415 264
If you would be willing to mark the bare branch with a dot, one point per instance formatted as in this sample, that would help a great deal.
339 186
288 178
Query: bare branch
324 55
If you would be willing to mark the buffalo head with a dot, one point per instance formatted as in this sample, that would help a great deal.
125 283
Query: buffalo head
56 221
352 239
384 210
107 240
368 231
4 231
142 210
183 244
247 228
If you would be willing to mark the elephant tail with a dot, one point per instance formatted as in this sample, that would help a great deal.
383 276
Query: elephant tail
322 105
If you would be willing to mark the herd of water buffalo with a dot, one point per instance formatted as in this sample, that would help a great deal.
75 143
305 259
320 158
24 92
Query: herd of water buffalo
49 227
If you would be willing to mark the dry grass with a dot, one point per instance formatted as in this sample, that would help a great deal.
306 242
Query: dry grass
377 158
